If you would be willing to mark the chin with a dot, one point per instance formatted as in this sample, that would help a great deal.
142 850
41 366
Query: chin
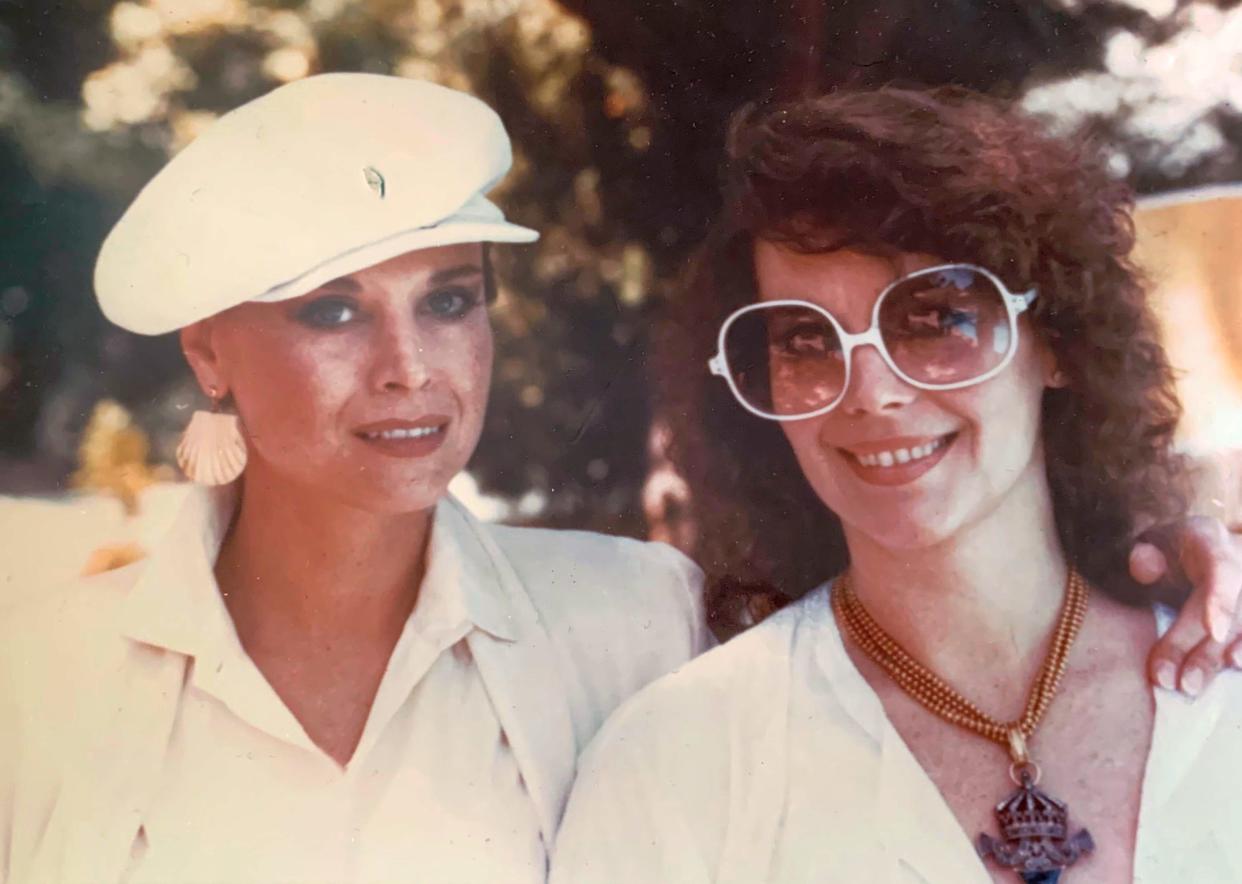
384 499
908 524
905 533
378 487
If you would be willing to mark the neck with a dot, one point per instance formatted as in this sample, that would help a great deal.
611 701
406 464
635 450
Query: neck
986 598
294 559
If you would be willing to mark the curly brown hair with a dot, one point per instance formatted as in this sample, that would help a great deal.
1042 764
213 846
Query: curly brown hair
966 178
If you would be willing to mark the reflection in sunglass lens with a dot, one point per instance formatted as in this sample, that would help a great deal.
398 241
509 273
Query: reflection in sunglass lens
785 360
946 326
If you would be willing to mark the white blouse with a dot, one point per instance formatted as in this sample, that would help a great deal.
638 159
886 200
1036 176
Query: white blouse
771 759
431 794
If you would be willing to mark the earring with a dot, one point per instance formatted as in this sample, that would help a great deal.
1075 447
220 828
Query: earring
212 450
1059 379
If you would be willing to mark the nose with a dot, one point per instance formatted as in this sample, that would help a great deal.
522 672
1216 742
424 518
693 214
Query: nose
401 358
873 387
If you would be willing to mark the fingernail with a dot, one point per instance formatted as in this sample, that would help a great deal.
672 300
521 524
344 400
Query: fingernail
1166 676
1235 658
1192 682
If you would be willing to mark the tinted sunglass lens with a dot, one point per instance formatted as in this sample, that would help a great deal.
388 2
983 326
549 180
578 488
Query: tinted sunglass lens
946 326
785 360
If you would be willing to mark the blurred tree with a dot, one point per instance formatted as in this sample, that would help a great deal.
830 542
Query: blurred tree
617 111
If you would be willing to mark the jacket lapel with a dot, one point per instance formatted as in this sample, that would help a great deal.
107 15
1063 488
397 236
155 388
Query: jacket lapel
522 675
110 782
921 834
128 720
916 834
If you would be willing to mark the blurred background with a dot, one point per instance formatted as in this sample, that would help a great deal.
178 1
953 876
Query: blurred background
616 109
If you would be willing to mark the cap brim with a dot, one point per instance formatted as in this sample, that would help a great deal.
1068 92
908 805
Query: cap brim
447 234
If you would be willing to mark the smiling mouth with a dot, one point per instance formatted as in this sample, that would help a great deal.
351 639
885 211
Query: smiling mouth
897 457
403 433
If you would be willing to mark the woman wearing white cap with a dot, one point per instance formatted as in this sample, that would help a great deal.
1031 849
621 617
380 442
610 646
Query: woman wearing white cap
328 670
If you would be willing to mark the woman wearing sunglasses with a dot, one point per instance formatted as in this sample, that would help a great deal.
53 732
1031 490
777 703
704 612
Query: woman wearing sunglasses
934 378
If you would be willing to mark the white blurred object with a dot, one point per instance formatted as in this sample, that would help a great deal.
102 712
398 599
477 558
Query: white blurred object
1190 244
490 508
1175 93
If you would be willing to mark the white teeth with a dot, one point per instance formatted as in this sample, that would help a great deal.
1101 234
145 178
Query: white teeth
900 455
414 433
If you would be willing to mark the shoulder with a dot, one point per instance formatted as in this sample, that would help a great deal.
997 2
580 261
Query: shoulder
576 555
581 573
61 653
617 613
77 610
67 631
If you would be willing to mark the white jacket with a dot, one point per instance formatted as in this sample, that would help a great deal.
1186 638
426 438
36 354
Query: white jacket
87 707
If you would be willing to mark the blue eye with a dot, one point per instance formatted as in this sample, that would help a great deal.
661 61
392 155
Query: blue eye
451 303
328 312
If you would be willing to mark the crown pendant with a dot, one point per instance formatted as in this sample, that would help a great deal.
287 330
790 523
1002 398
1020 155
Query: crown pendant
1034 827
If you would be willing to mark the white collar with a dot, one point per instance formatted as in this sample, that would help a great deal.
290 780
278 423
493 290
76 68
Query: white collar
175 602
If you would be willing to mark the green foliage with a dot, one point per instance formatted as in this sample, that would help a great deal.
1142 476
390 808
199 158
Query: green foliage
617 111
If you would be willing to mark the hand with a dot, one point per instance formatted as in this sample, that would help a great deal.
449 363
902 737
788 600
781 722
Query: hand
1206 635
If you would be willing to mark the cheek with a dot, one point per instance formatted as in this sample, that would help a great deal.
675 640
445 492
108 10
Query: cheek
465 358
813 456
289 393
1007 415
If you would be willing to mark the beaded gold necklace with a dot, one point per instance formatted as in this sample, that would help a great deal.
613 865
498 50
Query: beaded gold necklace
1034 826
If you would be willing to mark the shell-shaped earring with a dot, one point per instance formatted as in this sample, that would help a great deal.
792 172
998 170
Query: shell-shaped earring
212 450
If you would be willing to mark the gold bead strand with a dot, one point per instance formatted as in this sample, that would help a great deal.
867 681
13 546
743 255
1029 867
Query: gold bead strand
936 695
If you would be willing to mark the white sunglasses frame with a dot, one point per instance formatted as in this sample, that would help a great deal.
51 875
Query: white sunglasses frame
1015 306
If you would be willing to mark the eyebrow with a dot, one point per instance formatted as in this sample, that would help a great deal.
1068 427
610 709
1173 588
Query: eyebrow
343 284
453 273
349 285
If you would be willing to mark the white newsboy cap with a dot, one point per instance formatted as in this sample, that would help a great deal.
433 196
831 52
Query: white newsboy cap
315 180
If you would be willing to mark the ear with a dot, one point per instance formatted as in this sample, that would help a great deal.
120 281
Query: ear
199 346
1055 377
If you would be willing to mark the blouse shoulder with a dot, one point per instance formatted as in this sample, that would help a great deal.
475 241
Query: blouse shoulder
722 684
586 576
70 612
55 647
555 552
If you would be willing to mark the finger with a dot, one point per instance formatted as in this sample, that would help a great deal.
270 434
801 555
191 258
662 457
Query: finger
1169 654
1209 557
1234 656
1202 665
1147 563
1222 604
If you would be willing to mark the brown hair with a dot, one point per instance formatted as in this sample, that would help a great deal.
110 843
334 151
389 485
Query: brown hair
966 178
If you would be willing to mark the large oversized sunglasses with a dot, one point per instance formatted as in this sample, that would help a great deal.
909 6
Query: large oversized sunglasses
940 328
